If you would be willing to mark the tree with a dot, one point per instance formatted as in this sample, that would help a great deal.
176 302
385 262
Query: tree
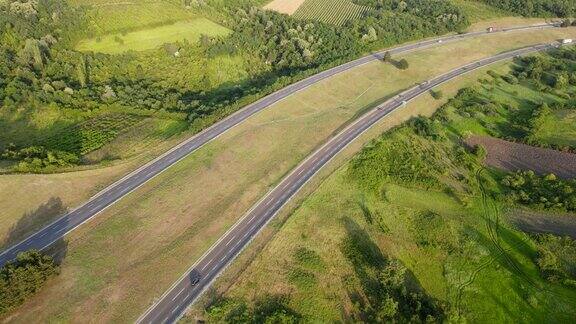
23 277
403 64
82 72
561 81
436 94
387 57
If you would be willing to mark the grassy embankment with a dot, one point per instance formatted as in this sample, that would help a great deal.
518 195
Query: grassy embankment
416 198
188 207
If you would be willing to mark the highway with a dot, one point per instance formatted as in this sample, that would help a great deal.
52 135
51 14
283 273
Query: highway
170 307
70 221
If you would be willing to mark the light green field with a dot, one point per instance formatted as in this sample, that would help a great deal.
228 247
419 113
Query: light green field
111 270
559 129
153 37
335 12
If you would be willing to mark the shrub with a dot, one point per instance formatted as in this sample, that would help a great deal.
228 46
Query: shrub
556 259
437 94
546 192
23 277
403 64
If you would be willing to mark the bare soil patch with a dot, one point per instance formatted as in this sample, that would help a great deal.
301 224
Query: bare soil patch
541 222
512 157
284 6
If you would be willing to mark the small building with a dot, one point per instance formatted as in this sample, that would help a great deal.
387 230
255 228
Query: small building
490 29
567 41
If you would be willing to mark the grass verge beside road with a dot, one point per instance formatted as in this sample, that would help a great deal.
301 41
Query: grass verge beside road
135 250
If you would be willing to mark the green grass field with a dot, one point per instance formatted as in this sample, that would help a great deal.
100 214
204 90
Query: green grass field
336 12
154 37
559 129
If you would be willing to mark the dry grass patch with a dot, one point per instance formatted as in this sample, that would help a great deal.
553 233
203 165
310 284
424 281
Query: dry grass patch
284 6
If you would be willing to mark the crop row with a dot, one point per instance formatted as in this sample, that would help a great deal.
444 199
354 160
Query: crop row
92 134
335 12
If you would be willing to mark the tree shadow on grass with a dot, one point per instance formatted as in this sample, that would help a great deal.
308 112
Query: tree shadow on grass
500 246
388 291
35 220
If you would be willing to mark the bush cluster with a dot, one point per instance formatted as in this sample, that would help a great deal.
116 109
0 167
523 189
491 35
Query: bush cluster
556 259
23 277
546 192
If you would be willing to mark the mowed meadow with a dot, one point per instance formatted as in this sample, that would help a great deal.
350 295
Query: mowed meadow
150 38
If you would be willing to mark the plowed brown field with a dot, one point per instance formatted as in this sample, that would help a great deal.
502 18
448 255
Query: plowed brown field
511 156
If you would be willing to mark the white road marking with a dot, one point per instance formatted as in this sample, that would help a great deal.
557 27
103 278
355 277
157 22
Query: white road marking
178 294
230 240
206 264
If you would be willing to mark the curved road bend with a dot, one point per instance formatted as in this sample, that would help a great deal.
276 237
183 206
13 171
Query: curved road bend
170 307
56 230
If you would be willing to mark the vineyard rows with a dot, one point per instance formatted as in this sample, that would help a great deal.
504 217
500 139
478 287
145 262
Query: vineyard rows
335 12
92 134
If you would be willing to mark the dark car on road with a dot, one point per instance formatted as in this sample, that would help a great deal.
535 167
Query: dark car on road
194 277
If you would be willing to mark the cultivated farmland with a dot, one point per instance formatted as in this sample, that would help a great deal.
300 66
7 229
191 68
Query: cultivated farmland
511 157
336 12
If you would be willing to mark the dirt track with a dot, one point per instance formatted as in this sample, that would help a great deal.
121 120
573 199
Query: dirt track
511 156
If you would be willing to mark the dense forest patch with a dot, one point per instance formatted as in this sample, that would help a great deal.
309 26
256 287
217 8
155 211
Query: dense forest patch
23 277
536 8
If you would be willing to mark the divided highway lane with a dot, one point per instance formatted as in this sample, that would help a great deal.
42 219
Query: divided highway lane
56 230
170 307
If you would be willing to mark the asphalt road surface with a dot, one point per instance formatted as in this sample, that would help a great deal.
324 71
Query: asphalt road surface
189 287
68 222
